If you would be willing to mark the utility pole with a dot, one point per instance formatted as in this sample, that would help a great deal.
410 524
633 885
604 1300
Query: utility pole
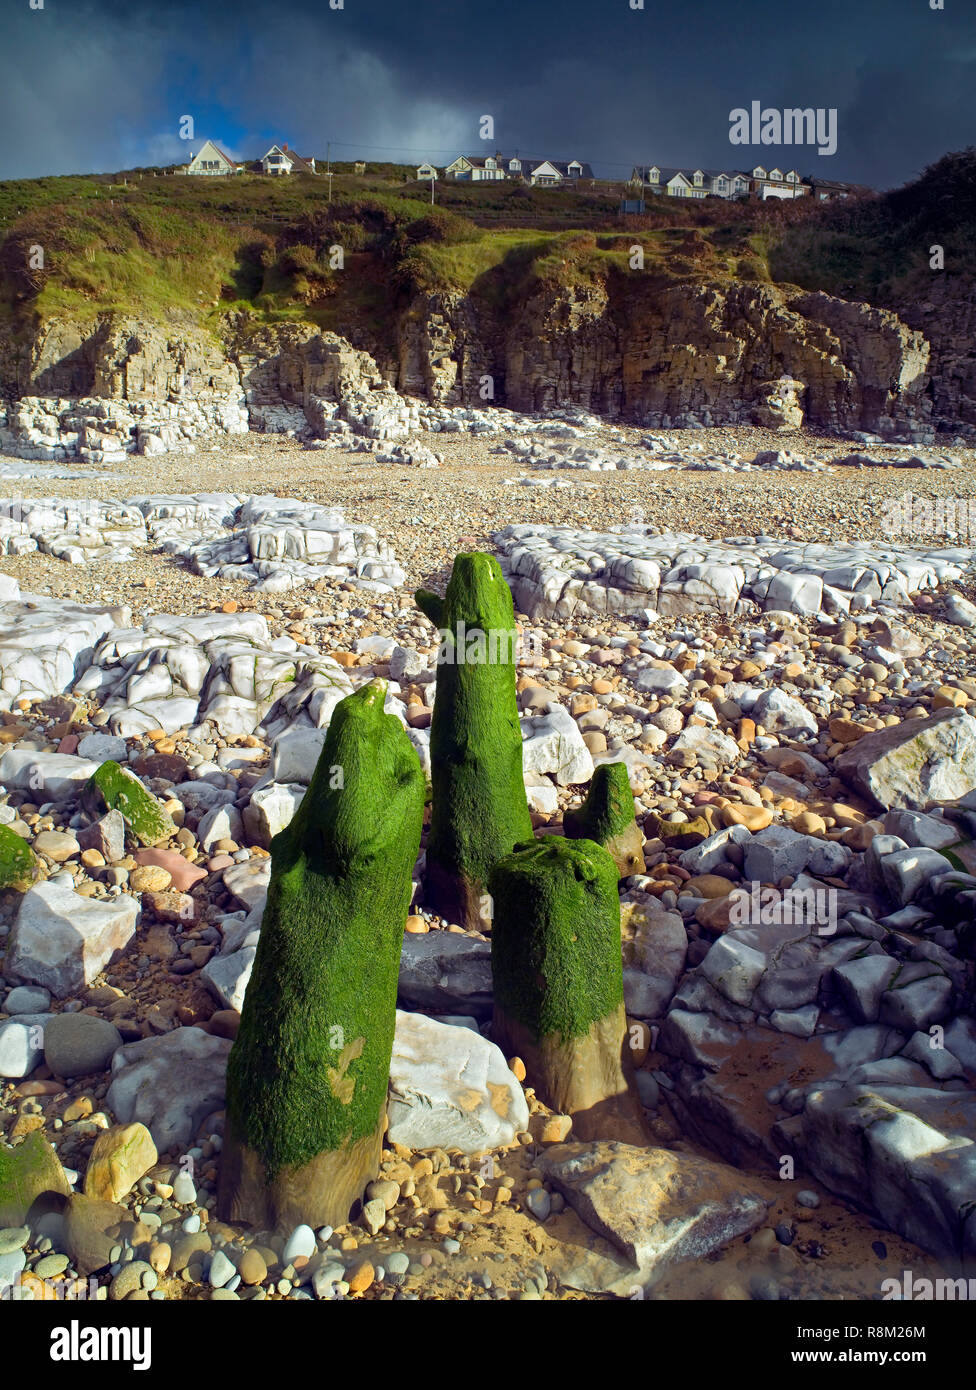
328 165
432 190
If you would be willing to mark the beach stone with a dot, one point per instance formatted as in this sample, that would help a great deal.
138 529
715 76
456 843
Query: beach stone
252 1268
913 763
169 1084
78 1044
657 1206
446 973
106 835
182 874
450 1088
62 940
782 713
121 1156
47 776
27 999
135 1276
90 1231
552 743
103 748
22 1044
30 1173
56 845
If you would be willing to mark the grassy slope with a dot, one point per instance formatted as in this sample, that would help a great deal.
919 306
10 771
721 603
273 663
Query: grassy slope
173 248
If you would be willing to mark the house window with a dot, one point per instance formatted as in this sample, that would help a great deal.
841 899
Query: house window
698 180
652 177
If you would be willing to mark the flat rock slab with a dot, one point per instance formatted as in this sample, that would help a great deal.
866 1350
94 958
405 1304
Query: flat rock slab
451 1089
656 1206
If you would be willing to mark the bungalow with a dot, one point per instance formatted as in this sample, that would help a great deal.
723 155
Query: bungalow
281 160
472 168
426 172
210 159
550 173
825 190
719 183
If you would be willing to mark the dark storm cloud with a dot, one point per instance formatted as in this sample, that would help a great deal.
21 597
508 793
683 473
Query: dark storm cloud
102 85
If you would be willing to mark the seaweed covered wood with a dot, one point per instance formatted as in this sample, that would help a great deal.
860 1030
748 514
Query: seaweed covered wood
558 983
479 809
607 817
308 1073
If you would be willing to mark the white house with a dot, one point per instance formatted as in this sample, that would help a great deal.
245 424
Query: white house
280 160
426 172
210 159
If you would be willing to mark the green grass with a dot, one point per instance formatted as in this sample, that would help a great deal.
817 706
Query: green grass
151 243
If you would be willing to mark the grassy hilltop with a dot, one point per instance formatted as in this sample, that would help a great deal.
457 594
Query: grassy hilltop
170 248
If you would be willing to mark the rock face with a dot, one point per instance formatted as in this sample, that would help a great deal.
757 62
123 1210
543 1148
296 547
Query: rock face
916 762
690 354
450 1088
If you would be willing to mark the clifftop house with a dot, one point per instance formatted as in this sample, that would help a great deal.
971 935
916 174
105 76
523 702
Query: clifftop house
280 160
540 173
210 159
759 182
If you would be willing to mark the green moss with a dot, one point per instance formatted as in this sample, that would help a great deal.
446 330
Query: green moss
18 862
310 1066
608 809
555 942
113 788
27 1172
479 805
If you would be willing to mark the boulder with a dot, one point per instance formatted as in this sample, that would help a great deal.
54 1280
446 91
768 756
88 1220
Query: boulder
170 1084
62 941
450 1088
913 763
656 1206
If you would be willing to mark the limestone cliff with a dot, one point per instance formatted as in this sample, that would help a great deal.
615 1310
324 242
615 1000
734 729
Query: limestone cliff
647 351
677 355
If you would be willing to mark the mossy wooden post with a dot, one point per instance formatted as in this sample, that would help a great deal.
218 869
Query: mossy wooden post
607 816
479 809
558 983
308 1073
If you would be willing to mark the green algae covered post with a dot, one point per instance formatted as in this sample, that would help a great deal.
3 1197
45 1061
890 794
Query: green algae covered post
308 1073
607 816
479 809
558 983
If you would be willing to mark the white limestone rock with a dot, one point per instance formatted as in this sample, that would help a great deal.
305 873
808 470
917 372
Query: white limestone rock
62 941
450 1088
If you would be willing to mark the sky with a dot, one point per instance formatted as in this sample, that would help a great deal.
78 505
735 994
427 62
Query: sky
101 85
